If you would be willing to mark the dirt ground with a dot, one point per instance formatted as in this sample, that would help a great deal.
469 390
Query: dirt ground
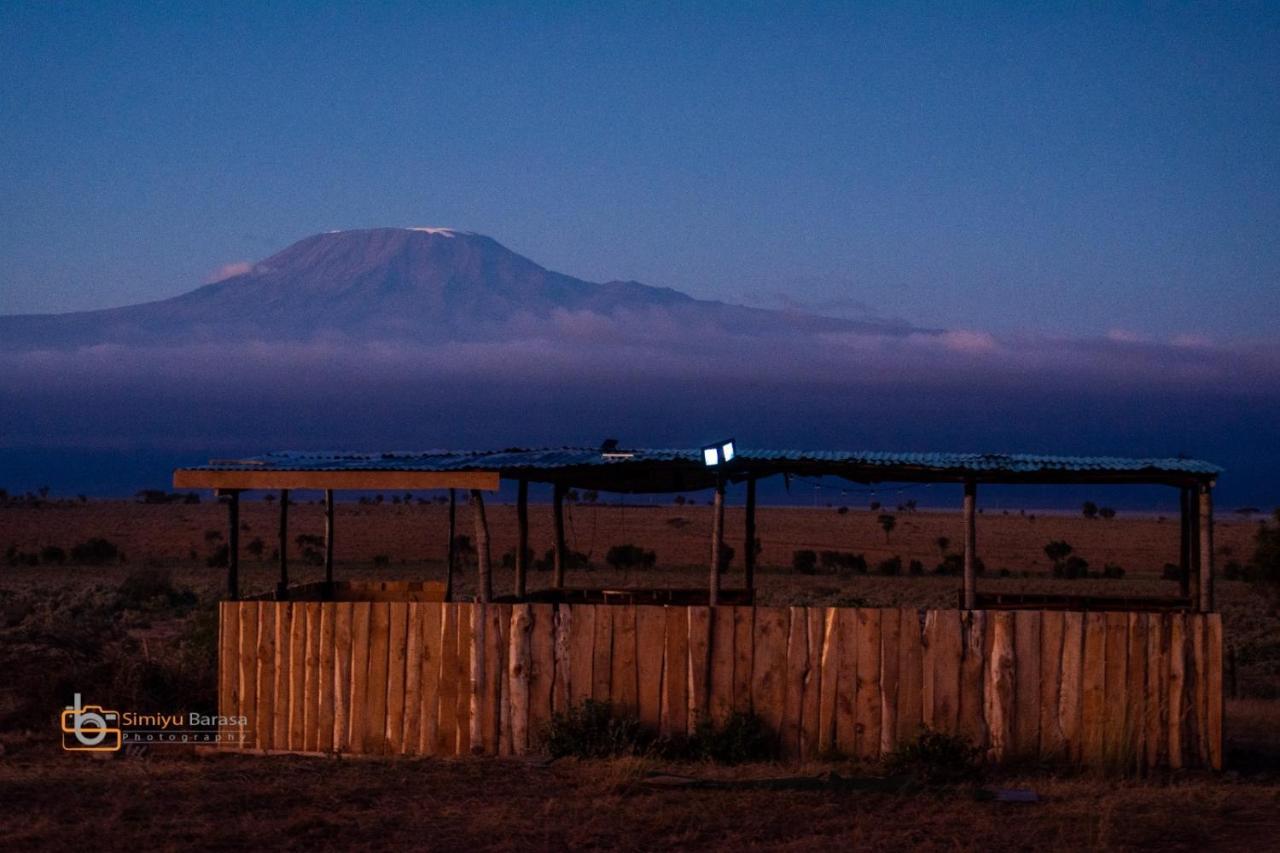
172 797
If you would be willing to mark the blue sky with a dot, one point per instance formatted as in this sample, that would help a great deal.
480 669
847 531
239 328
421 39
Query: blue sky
1079 170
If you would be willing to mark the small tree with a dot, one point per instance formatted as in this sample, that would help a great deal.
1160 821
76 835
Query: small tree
943 544
888 522
1106 512
1089 509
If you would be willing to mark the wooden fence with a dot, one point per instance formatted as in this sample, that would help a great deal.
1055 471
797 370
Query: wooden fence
1122 691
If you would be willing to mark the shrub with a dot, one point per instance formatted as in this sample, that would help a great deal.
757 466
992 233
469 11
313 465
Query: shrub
889 567
953 564
220 557
1072 568
212 536
1171 572
590 730
53 554
509 558
1265 565
843 562
804 561
915 567
1089 509
630 556
844 510
152 589
936 759
1106 512
888 522
1232 571
1111 570
1057 550
95 552
381 560
255 547
742 738
572 560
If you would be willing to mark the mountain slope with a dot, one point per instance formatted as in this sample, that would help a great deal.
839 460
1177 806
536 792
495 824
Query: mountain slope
419 284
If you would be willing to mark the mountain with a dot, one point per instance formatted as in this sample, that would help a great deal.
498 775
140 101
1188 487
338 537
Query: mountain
419 284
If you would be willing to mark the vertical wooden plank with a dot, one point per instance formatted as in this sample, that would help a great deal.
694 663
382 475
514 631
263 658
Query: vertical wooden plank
430 661
397 661
796 668
409 735
810 714
1051 629
1177 690
497 625
297 675
847 682
283 679
1198 729
582 641
829 665
1155 694
375 730
944 655
228 669
623 688
479 636
519 676
1116 752
462 676
769 664
248 673
1094 710
910 676
743 653
325 716
1000 690
1213 679
675 679
311 681
342 676
867 704
1071 689
1135 729
447 703
264 720
699 665
602 654
973 677
651 632
1026 729
564 664
542 638
890 640
722 652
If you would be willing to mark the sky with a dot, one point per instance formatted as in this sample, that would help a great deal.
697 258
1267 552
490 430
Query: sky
1093 170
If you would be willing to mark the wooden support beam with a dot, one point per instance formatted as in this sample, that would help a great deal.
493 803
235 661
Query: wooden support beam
484 577
1184 542
328 541
970 544
1206 548
1193 547
557 510
282 588
233 546
452 557
391 481
522 537
717 540
749 554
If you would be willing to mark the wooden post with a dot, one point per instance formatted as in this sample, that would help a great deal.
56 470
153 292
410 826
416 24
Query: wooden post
233 546
717 539
522 537
452 552
1206 547
557 508
484 577
1184 543
970 545
282 588
328 543
749 555
1193 548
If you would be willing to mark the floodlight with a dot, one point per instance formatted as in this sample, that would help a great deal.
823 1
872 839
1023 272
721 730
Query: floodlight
718 453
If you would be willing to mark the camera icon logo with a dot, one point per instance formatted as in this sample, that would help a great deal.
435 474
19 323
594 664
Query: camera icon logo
90 728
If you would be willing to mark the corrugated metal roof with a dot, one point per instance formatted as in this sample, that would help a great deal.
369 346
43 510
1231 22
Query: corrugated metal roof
512 461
